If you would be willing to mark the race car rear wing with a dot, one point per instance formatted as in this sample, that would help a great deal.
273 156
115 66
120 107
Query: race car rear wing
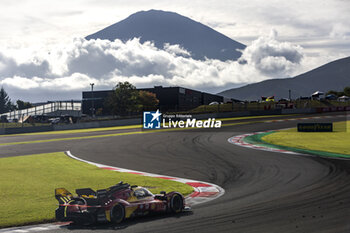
86 192
63 195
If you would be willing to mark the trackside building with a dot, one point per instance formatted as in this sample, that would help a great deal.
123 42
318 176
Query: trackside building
170 98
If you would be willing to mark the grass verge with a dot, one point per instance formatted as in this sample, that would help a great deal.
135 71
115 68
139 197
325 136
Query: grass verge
333 142
27 185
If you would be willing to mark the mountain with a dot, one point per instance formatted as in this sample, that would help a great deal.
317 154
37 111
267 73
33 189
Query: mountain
168 27
332 76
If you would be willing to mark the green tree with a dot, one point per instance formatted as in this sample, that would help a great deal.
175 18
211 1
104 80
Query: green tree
124 99
147 100
23 105
5 102
347 91
332 92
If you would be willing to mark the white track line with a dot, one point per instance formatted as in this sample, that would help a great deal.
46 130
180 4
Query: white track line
203 191
239 141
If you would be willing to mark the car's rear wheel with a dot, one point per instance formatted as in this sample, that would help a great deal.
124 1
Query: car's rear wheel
118 213
176 203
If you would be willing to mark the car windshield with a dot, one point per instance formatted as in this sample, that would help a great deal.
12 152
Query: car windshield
142 192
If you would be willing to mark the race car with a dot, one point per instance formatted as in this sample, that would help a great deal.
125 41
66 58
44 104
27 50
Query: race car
114 204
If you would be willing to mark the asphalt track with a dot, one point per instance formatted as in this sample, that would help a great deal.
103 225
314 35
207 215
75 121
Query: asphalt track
264 191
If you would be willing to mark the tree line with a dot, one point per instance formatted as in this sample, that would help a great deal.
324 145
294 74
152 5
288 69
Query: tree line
126 100
6 105
345 92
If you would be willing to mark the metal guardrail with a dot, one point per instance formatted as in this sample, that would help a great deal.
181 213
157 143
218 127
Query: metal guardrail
45 109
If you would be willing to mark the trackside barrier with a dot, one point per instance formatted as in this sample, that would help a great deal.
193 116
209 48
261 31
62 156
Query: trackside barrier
237 114
298 111
99 124
84 125
18 130
333 109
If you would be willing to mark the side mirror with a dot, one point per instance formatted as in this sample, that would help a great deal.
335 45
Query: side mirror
163 193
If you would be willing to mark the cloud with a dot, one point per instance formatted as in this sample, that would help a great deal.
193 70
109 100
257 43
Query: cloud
272 57
9 67
340 30
68 69
176 49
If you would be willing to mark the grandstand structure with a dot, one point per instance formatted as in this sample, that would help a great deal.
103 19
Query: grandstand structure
50 109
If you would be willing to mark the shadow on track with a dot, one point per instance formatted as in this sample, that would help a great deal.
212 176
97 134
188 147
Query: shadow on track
126 223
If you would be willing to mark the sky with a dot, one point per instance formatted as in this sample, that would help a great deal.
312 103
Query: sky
43 55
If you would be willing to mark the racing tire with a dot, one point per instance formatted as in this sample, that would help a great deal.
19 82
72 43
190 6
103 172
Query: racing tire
118 213
176 203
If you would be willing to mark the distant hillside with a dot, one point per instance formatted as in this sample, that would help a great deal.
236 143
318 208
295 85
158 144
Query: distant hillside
332 76
168 27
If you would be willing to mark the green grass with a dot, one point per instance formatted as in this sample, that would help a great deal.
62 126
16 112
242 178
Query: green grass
27 185
334 142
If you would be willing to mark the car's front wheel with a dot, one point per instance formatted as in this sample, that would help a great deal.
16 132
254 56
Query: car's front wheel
176 203
118 213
